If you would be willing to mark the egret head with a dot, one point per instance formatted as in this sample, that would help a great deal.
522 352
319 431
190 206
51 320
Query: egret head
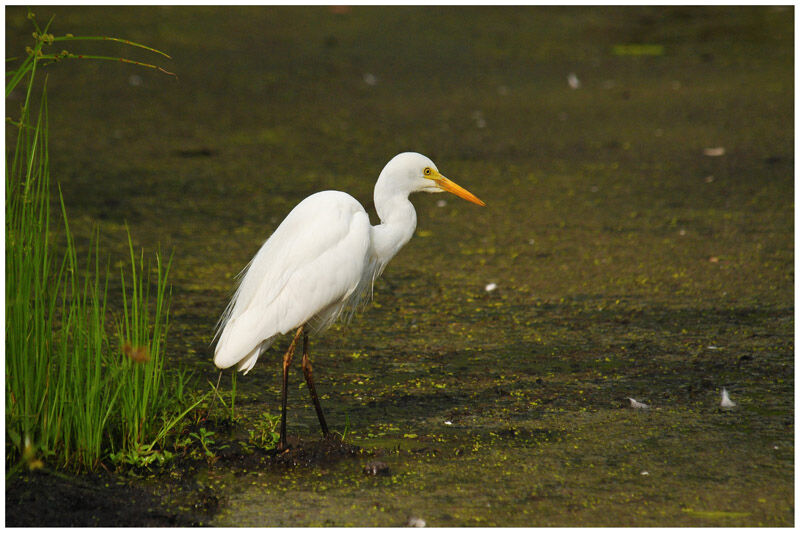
414 172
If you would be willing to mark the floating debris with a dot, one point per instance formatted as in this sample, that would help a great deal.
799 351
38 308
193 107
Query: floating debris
490 287
573 81
415 521
638 405
644 473
370 79
441 203
448 423
714 515
726 400
716 151
709 179
376 468
638 49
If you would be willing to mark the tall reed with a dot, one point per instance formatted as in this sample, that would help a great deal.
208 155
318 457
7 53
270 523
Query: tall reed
75 393
34 279
142 337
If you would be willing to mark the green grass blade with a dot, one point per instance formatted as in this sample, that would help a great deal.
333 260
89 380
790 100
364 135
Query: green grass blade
114 39
58 57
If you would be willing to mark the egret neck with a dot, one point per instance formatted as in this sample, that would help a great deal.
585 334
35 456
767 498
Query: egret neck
398 219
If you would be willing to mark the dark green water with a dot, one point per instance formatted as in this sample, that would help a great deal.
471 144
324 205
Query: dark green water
627 262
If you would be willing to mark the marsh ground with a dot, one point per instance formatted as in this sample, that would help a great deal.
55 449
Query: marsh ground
627 261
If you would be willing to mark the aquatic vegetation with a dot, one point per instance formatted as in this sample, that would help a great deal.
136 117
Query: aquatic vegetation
204 438
265 434
74 394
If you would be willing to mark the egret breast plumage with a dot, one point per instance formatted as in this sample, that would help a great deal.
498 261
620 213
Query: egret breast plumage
319 263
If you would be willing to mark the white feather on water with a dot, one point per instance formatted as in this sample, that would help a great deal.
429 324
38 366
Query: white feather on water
726 401
638 405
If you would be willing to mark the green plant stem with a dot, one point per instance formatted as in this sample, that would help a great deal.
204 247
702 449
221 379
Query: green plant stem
73 397
104 38
59 57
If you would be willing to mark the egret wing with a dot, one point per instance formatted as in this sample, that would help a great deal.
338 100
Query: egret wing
309 266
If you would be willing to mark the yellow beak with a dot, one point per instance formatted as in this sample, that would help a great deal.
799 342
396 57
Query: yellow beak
450 186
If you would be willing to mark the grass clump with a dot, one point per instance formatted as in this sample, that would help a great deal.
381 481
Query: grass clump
76 392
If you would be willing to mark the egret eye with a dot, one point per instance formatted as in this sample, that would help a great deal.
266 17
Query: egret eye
427 171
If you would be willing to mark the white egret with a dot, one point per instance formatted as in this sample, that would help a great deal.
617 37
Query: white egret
321 262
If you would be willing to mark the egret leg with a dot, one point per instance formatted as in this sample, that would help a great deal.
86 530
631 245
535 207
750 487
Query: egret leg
307 372
287 361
